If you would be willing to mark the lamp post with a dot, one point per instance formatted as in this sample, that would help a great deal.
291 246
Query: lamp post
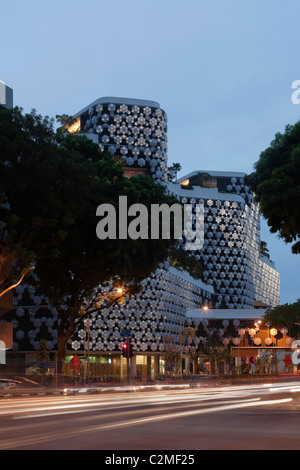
118 290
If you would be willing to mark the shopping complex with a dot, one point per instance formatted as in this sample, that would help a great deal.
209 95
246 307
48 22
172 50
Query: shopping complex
175 315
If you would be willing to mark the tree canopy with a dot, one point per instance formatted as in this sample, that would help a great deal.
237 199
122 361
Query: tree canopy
173 171
51 186
276 185
71 280
287 315
35 207
264 250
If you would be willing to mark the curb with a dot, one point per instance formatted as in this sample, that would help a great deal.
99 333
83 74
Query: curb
92 390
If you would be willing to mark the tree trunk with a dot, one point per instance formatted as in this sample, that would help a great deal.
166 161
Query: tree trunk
60 353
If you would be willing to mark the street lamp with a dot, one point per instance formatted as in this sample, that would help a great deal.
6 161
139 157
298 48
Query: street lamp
118 291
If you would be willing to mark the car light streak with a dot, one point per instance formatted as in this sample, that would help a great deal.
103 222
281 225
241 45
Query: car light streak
232 406
55 413
83 403
289 387
104 406
67 434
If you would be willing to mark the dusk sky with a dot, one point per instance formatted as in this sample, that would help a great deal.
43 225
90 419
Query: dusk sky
221 69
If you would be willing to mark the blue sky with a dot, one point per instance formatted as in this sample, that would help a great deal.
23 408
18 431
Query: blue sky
222 70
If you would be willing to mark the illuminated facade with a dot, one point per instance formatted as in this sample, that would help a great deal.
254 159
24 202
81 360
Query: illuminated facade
135 130
235 276
231 257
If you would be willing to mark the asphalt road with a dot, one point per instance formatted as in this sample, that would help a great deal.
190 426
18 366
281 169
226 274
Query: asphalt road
228 418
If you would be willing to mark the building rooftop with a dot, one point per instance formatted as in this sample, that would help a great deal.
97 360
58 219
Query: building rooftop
6 96
118 100
203 193
226 174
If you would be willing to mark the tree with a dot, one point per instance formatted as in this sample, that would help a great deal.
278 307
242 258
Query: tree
188 335
264 249
84 277
35 207
182 260
51 186
172 354
286 315
172 172
65 120
215 350
275 183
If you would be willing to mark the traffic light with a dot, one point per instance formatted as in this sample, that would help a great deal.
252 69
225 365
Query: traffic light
124 349
127 350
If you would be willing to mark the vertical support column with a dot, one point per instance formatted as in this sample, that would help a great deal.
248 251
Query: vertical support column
127 359
156 366
148 367
133 366
186 365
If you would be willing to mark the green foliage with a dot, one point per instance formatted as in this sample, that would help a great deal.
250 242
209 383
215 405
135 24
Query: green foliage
51 186
65 119
188 333
182 260
276 184
172 354
213 346
31 210
264 249
173 171
283 315
42 354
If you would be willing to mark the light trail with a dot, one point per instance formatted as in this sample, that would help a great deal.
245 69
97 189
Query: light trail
232 406
67 405
48 413
69 434
108 405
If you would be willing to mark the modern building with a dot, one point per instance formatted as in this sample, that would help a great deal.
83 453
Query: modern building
6 96
231 256
254 346
236 278
135 130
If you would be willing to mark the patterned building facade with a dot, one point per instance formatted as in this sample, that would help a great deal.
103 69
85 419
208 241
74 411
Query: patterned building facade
135 130
234 275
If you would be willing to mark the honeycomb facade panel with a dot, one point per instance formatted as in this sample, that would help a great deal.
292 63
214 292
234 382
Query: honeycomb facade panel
134 130
234 273
231 251
153 316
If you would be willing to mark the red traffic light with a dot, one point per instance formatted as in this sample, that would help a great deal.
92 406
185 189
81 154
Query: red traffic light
127 350
124 349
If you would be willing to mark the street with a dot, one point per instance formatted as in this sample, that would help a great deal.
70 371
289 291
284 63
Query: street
246 417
